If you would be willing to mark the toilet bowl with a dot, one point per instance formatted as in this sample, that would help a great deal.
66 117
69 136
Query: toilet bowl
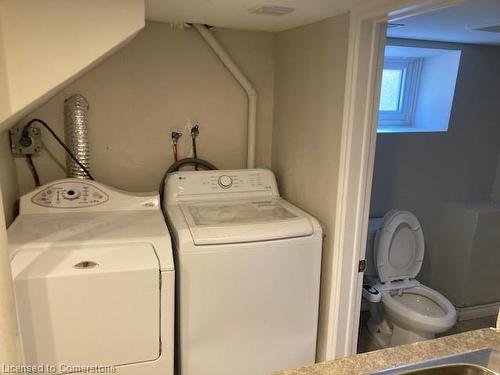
407 311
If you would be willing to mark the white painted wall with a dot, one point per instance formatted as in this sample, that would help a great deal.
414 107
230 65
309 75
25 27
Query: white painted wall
309 95
421 171
436 91
46 43
4 87
164 80
9 344
8 176
8 179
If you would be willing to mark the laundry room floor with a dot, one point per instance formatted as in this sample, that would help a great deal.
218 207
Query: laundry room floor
367 344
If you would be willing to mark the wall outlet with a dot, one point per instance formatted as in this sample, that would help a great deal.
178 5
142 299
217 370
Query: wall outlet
29 144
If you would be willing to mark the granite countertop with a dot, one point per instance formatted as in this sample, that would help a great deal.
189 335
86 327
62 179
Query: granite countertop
404 354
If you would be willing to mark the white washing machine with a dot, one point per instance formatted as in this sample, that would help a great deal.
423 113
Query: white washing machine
94 280
248 274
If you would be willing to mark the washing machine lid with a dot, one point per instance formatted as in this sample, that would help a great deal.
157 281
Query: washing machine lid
399 246
224 222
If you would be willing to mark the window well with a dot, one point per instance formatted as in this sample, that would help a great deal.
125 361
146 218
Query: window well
417 89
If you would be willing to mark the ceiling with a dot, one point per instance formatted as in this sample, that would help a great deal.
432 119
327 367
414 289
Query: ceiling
240 14
454 24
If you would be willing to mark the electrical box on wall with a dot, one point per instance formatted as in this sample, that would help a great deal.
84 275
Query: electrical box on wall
26 142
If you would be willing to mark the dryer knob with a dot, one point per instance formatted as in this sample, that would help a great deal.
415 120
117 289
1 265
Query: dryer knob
71 194
225 182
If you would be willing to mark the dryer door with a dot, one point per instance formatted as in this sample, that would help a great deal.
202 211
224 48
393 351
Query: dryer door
88 305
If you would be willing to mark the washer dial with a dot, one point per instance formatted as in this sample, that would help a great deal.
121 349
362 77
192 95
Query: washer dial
225 181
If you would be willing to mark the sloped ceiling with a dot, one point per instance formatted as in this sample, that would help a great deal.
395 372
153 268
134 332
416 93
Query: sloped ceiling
239 14
44 44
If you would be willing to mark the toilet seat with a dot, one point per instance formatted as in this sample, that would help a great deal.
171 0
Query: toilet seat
410 312
399 246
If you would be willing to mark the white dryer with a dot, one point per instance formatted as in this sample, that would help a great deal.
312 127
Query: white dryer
94 280
248 273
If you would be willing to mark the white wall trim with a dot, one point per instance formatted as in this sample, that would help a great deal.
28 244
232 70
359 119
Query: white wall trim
363 74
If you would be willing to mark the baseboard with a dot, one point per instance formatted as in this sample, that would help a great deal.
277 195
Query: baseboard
480 311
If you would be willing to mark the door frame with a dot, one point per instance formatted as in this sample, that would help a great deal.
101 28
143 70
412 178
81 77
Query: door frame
357 155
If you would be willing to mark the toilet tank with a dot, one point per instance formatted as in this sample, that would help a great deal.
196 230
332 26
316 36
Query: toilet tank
374 224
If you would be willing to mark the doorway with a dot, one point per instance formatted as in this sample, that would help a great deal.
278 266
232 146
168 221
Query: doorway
436 158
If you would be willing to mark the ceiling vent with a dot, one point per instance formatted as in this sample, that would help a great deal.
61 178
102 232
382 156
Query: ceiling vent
272 10
489 29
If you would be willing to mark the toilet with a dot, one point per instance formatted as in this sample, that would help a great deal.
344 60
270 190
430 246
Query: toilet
402 310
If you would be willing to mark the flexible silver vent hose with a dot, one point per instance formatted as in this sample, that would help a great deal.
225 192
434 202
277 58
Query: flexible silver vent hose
76 110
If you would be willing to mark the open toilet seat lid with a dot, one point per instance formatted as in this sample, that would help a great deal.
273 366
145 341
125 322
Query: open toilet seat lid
399 246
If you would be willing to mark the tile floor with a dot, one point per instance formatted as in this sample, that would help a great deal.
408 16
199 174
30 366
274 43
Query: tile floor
367 344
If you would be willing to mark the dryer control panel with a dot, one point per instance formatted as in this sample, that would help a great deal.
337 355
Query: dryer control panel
71 194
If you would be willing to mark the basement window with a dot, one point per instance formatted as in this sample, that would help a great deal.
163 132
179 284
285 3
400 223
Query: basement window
417 89
400 79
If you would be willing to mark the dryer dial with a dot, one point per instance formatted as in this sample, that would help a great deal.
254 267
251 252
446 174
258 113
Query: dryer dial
71 194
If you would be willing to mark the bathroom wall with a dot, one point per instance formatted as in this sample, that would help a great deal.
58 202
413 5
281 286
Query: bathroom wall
436 91
309 98
164 80
422 171
495 189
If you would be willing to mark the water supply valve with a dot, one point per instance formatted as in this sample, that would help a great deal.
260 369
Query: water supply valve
195 131
176 136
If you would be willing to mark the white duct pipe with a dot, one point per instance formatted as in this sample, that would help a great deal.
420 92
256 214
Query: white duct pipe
243 81
9 347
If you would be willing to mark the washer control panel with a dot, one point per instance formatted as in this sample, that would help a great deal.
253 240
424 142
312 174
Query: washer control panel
223 182
74 194
193 184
